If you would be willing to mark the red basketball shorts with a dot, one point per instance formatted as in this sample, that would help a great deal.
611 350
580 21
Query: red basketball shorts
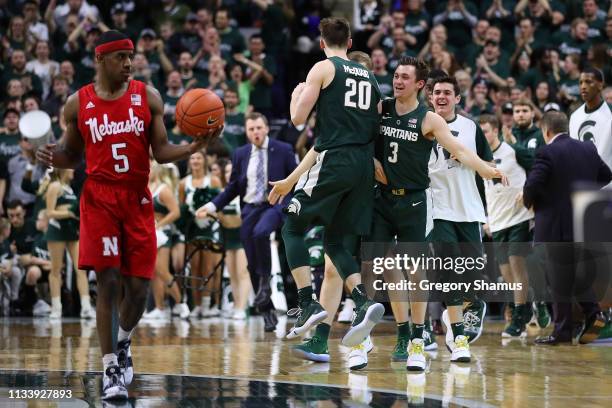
117 229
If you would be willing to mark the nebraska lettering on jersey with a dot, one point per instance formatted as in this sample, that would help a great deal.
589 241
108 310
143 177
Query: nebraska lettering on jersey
116 135
106 128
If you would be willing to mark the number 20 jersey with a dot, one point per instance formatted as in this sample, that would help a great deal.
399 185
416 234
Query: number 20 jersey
116 135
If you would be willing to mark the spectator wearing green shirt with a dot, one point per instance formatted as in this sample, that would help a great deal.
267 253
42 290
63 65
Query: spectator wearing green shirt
577 42
499 14
174 90
234 134
524 135
417 22
491 65
384 77
154 49
595 18
392 28
541 70
190 78
459 18
569 89
119 22
232 41
547 15
525 39
474 48
261 93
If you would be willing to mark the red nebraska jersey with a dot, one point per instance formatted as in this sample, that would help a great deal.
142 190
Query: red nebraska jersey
116 135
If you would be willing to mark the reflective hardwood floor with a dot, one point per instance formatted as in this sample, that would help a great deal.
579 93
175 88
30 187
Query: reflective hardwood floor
224 363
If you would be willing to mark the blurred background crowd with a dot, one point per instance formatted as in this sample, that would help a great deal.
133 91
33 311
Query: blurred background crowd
251 53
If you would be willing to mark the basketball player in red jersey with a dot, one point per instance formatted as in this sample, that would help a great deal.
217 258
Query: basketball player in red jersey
115 120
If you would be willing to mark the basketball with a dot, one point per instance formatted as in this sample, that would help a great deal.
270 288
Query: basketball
199 110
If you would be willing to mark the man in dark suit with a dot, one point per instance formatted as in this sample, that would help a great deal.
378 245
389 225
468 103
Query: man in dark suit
558 166
253 166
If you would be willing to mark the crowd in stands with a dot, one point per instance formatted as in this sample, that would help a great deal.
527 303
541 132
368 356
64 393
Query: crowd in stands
251 53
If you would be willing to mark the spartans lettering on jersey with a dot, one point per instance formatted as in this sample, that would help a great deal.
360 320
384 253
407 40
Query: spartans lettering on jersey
356 71
98 131
399 133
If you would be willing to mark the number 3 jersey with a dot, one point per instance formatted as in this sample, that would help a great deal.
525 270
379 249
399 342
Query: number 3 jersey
116 135
402 148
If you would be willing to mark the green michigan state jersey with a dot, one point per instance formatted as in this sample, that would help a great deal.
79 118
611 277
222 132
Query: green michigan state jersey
402 148
234 134
347 109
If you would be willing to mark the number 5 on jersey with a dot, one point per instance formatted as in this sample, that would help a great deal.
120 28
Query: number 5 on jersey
124 165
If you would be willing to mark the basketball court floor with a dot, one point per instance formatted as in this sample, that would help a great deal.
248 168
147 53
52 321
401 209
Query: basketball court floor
224 363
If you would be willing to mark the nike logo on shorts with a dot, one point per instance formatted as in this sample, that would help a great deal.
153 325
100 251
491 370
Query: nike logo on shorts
417 203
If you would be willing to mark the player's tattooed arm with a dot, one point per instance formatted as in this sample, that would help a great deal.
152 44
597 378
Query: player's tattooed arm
164 151
68 153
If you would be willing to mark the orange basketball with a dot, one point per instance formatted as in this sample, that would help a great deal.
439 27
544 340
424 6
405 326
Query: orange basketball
199 110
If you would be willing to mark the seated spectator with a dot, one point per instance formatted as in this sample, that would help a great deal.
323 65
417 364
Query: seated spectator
37 266
23 230
10 273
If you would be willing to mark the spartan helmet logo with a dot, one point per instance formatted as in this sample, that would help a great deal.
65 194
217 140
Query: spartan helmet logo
584 131
294 207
